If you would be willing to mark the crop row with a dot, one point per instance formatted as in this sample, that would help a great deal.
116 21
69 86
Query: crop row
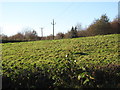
71 63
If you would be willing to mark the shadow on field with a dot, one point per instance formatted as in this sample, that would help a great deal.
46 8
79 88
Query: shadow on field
80 53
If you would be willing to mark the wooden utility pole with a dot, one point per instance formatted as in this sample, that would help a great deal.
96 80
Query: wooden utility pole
53 23
41 32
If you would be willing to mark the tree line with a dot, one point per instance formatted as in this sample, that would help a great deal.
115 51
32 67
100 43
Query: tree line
101 26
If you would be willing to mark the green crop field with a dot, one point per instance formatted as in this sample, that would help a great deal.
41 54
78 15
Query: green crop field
67 63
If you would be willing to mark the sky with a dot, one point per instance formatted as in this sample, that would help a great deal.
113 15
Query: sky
18 16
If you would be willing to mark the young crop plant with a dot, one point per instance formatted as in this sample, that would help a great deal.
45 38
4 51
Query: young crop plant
83 62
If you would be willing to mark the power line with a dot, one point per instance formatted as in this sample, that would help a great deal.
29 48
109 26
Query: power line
64 11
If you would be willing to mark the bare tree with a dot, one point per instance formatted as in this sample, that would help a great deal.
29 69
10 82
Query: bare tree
30 34
60 35
100 26
3 37
79 26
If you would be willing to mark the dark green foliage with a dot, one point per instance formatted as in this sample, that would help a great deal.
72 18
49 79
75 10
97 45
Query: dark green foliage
12 41
27 79
72 33
107 76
